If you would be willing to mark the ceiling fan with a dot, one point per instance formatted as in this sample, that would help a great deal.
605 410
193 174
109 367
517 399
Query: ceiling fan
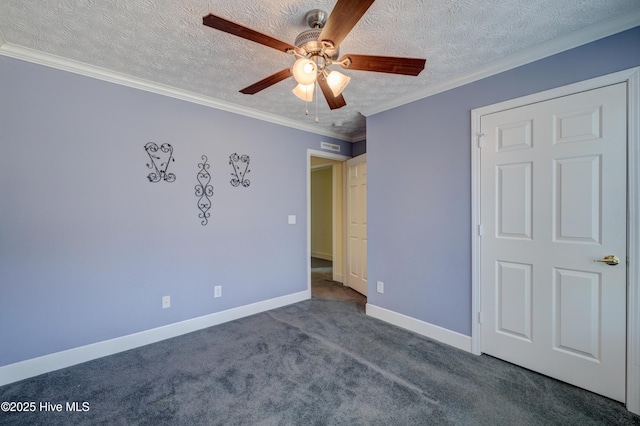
317 49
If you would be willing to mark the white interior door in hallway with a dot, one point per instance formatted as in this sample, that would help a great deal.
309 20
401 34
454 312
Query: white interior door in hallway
553 200
357 224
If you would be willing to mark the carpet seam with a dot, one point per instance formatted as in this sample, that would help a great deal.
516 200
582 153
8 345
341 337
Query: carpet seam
385 373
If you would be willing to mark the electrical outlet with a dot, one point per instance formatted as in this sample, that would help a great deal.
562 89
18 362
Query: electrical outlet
217 291
166 302
380 287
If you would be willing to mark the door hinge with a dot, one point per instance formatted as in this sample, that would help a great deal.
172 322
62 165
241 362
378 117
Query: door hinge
480 318
480 230
480 140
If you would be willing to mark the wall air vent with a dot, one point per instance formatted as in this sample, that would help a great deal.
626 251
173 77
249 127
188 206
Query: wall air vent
330 146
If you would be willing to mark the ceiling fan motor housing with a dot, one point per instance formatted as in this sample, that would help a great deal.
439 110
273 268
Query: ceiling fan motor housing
308 40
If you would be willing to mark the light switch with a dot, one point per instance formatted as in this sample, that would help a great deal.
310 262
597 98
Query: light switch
292 219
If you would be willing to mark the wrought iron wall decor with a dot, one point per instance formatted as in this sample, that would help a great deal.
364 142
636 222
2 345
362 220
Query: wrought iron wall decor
204 191
240 164
160 157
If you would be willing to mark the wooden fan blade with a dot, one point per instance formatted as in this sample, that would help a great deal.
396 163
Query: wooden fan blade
267 82
344 16
334 102
388 64
227 26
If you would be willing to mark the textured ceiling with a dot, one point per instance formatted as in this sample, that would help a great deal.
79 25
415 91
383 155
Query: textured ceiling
164 41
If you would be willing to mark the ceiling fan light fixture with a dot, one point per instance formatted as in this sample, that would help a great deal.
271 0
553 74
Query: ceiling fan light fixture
304 92
318 48
337 82
305 71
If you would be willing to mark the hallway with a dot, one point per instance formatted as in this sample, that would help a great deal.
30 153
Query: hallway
323 287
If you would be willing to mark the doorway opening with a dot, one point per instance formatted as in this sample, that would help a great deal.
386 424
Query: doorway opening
326 233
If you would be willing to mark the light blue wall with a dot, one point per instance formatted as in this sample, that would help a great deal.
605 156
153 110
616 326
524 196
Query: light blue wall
419 182
88 246
359 148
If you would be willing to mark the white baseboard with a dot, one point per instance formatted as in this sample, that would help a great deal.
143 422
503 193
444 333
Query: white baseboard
325 256
435 332
55 361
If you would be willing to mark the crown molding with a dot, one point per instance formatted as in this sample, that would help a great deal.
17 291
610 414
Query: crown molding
359 137
576 39
76 67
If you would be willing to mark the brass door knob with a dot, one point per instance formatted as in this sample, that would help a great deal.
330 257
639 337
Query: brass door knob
609 259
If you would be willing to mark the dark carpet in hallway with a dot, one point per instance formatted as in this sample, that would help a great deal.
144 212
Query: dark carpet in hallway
323 286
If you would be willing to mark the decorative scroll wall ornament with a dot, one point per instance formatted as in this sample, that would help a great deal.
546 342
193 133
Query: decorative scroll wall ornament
204 191
240 166
160 159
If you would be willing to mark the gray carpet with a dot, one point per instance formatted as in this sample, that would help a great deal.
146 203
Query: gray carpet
318 362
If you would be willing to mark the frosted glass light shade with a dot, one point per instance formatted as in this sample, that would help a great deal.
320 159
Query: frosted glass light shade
305 71
304 92
337 82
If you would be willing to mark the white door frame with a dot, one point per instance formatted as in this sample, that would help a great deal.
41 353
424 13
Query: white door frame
329 156
632 77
